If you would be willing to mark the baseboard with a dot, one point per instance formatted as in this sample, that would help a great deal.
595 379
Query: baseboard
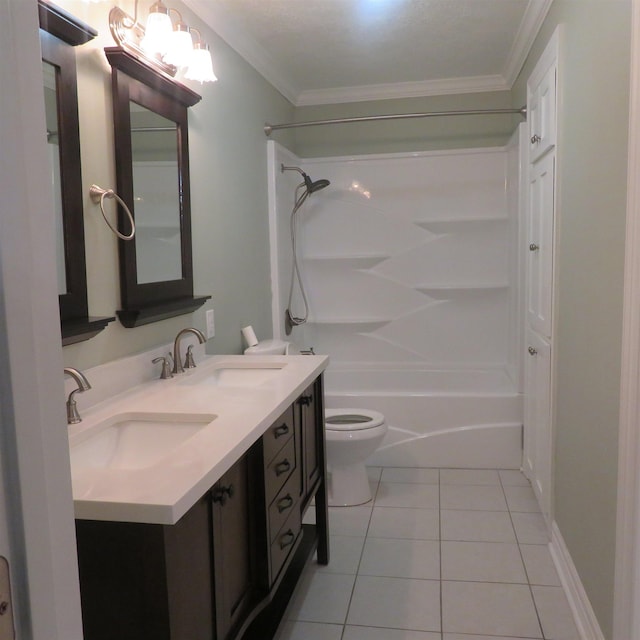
583 614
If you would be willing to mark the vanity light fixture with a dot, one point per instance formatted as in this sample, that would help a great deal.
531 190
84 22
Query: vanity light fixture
162 43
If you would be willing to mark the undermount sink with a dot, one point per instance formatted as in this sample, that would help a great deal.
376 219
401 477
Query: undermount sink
134 440
237 375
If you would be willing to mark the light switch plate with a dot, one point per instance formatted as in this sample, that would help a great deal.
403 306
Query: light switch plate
7 631
211 325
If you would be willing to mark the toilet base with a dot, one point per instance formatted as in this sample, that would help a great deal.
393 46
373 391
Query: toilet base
349 485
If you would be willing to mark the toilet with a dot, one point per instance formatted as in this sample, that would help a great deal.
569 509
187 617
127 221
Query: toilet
352 436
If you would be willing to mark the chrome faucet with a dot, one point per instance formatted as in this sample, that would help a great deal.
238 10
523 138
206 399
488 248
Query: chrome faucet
177 364
73 417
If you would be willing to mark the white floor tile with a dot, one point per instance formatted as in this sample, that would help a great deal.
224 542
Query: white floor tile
539 565
395 494
481 526
470 476
513 478
489 609
344 555
466 636
482 562
522 499
401 558
530 528
474 497
349 521
396 603
399 522
410 475
309 631
372 633
555 614
322 597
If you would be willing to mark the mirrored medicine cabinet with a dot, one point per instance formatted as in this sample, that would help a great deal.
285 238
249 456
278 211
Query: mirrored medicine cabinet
60 32
151 135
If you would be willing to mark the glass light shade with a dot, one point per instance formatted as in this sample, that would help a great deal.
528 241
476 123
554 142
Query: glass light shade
180 47
157 31
200 66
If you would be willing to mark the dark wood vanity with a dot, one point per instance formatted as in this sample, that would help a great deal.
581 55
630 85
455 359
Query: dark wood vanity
228 568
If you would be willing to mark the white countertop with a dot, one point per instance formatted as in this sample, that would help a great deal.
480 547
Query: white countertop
163 492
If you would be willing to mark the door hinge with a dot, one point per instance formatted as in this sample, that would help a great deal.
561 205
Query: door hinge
7 631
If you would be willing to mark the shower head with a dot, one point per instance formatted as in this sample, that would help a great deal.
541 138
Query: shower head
310 185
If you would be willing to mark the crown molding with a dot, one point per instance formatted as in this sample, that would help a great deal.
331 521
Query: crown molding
533 18
223 24
475 84
257 56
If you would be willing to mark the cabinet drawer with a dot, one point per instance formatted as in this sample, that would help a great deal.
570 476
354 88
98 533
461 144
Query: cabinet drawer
284 503
278 434
285 541
279 469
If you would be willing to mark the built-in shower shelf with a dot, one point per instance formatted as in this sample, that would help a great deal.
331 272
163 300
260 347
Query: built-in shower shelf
448 225
362 325
444 291
363 261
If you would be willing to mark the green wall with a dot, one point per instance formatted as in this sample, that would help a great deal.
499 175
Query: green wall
228 164
591 209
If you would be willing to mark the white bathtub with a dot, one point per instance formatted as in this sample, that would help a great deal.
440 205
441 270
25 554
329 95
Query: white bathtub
437 418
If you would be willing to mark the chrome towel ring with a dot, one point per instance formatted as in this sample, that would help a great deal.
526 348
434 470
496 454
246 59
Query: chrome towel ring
98 194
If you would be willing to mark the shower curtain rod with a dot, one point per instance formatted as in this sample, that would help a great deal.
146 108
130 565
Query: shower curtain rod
269 128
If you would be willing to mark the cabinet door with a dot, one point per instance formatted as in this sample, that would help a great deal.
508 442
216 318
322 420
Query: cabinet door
542 114
307 406
538 441
234 521
540 225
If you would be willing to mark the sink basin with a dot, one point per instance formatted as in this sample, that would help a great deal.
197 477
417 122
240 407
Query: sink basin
237 375
134 440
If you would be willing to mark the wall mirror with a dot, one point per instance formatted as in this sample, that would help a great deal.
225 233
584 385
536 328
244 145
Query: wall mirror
59 33
152 174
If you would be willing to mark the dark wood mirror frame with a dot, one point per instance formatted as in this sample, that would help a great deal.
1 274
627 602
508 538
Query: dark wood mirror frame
59 33
133 81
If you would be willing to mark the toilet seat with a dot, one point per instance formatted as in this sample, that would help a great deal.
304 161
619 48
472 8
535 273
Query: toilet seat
352 419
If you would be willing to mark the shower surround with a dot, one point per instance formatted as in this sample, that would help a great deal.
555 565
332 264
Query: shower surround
412 272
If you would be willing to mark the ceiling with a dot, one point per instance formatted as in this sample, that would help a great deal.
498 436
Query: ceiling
328 51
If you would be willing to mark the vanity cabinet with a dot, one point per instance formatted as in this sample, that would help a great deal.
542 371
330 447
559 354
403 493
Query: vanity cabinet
227 569
235 523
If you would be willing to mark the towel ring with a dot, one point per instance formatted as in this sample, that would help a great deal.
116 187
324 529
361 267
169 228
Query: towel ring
98 194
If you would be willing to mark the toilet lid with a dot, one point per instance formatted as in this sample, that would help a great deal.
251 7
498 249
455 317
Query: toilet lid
351 419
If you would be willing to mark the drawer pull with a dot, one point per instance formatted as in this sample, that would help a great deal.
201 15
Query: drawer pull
280 431
285 503
287 539
221 493
305 401
282 467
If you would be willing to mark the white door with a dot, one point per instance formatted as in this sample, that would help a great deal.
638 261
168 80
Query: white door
538 444
542 114
540 245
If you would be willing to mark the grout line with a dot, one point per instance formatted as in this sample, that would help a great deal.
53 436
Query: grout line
524 565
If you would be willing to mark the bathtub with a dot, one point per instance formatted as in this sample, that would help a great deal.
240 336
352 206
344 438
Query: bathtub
466 418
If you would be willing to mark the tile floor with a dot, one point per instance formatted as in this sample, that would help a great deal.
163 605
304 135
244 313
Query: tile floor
440 554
